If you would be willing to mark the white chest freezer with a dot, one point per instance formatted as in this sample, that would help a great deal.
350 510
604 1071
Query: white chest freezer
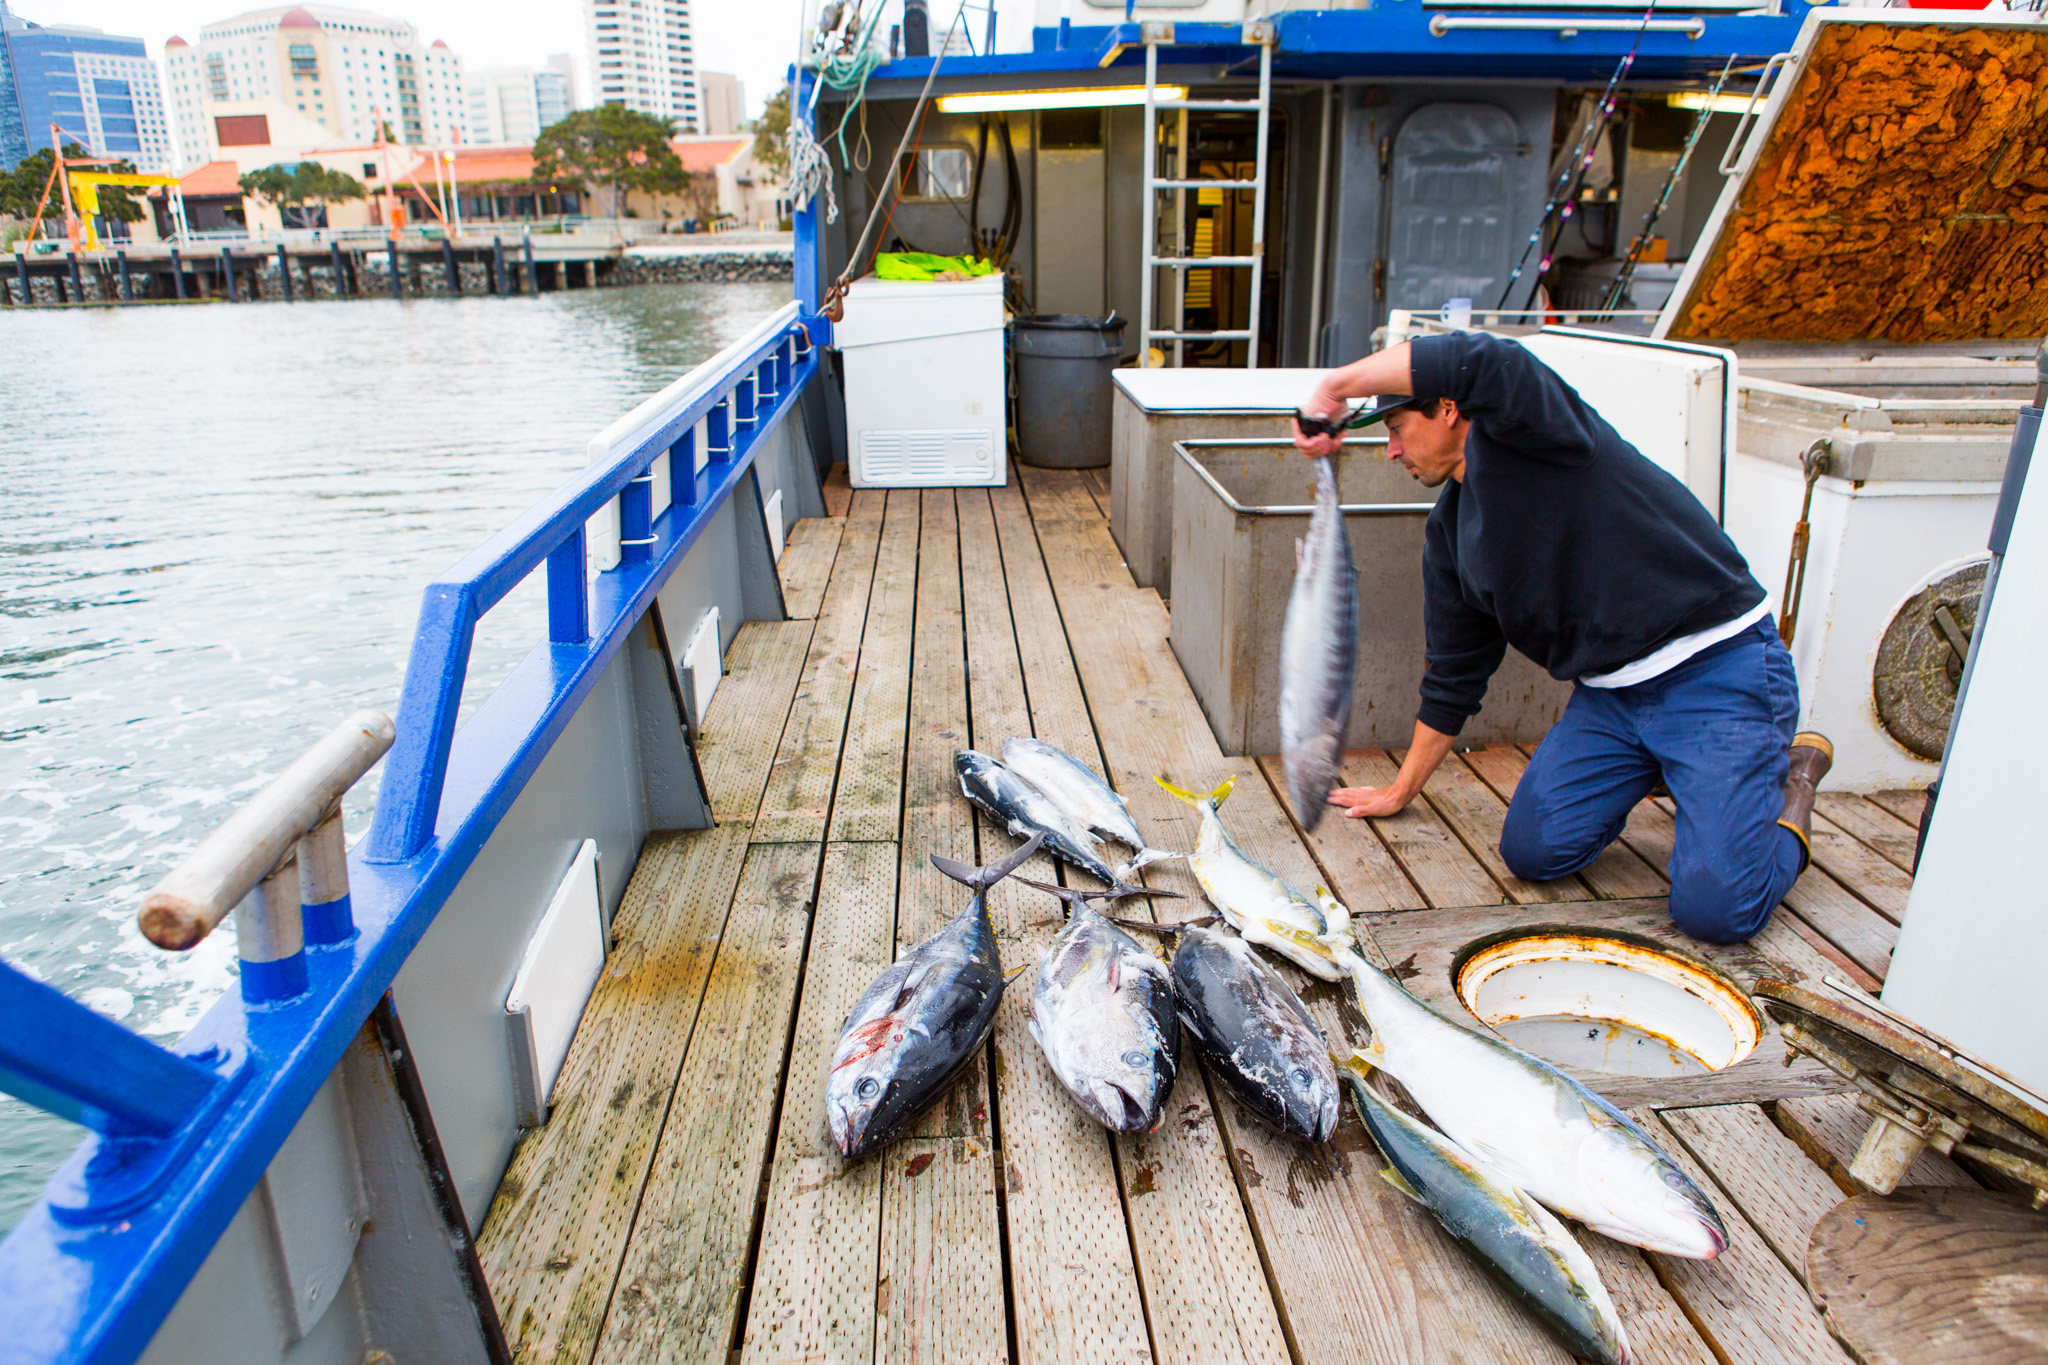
924 383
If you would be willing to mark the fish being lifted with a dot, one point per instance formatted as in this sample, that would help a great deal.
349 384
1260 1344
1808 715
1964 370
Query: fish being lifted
1026 811
1103 1013
1521 1241
1251 1029
918 1026
1315 935
1318 654
1542 1131
1076 789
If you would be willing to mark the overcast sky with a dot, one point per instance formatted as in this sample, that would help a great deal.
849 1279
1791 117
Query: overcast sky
753 39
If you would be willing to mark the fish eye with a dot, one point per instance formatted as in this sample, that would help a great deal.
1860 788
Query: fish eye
1136 1059
868 1088
1301 1076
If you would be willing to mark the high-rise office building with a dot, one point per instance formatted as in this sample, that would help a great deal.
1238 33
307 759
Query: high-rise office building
13 139
724 106
513 104
342 69
98 89
564 65
641 56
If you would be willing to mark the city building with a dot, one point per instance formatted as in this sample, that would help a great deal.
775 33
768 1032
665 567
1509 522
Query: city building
512 104
641 57
343 70
565 65
13 138
99 89
723 103
729 188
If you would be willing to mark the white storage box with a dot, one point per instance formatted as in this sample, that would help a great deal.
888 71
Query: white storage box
924 383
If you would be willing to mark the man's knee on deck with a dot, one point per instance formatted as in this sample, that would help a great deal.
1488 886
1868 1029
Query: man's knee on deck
1537 847
1723 904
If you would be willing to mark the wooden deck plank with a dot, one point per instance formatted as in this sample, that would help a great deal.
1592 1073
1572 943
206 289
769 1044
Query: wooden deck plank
1616 874
1073 1282
1475 812
1776 1185
1350 852
556 1231
1434 858
942 1273
1871 876
838 492
743 725
1204 1292
1402 1291
1747 1305
1904 805
941 1234
806 564
867 804
1863 935
679 1286
1829 1128
814 1285
799 794
1878 828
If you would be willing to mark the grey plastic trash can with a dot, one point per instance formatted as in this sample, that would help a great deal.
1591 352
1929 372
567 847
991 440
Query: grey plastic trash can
1063 364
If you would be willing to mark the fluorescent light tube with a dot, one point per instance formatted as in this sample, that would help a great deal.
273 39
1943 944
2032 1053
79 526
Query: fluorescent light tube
1100 97
1720 104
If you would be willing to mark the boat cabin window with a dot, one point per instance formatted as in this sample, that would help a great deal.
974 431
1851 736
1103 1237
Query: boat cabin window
937 173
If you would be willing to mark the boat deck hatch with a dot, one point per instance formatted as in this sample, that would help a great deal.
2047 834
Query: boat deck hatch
1609 1004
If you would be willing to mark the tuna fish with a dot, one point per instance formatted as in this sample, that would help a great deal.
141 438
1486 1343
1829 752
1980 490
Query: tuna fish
1521 1241
1103 1013
1076 789
1250 1028
1025 810
1542 1131
1318 655
1313 934
918 1026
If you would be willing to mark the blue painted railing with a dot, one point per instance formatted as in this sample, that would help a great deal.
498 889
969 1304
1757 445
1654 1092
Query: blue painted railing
180 1136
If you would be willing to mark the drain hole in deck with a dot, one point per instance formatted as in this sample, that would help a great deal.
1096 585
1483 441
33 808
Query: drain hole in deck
1609 1004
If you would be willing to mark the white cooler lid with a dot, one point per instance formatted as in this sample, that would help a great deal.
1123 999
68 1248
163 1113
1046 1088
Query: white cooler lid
1202 390
881 311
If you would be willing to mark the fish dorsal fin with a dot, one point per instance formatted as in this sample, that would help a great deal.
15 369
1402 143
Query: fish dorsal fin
1013 974
1400 1182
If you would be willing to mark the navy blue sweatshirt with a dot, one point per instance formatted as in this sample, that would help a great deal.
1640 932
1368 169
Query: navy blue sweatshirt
1562 540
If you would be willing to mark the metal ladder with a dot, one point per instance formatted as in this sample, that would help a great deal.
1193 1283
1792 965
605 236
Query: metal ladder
1180 262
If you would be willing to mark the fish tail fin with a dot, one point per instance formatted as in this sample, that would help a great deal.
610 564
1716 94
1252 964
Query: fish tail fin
1214 798
982 878
1146 857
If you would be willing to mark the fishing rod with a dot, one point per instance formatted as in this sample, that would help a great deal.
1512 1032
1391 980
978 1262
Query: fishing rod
1641 242
1576 166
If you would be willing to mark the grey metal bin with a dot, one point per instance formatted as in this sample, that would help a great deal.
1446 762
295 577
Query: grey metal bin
1155 408
1239 507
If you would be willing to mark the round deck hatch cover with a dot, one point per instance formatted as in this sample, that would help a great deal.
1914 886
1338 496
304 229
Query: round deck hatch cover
1919 665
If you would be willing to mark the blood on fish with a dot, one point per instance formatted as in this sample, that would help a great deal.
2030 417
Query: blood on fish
873 1037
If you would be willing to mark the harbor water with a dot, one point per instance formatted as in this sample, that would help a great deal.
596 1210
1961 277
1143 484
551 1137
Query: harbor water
215 524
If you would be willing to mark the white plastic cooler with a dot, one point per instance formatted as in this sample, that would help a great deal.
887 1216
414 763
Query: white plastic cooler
924 383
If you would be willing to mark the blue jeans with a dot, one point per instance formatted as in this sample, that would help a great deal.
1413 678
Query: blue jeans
1717 730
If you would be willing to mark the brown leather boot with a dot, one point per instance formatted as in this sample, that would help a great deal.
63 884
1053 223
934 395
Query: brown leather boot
1812 756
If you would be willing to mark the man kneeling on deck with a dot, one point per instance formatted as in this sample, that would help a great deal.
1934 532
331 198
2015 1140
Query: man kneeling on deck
1556 536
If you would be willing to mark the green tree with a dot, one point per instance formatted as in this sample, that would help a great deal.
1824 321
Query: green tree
291 188
771 134
611 146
